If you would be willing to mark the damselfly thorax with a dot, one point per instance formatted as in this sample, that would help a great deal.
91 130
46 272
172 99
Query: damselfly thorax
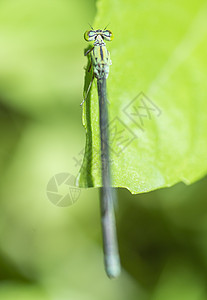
100 56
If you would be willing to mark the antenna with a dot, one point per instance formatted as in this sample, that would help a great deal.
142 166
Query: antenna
91 26
106 26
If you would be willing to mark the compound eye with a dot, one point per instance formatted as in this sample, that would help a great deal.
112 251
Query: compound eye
89 35
107 35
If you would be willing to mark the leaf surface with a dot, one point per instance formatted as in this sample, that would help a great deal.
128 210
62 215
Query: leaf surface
157 95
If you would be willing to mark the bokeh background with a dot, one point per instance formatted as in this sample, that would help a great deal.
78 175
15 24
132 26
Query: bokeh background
53 252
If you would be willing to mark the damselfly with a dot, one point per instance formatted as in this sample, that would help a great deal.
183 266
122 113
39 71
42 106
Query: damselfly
100 61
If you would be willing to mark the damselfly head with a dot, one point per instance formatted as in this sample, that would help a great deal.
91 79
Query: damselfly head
91 35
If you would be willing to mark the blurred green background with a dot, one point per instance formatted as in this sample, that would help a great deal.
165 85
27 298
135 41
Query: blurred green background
51 252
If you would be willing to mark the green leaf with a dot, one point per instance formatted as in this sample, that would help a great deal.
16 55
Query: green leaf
157 92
